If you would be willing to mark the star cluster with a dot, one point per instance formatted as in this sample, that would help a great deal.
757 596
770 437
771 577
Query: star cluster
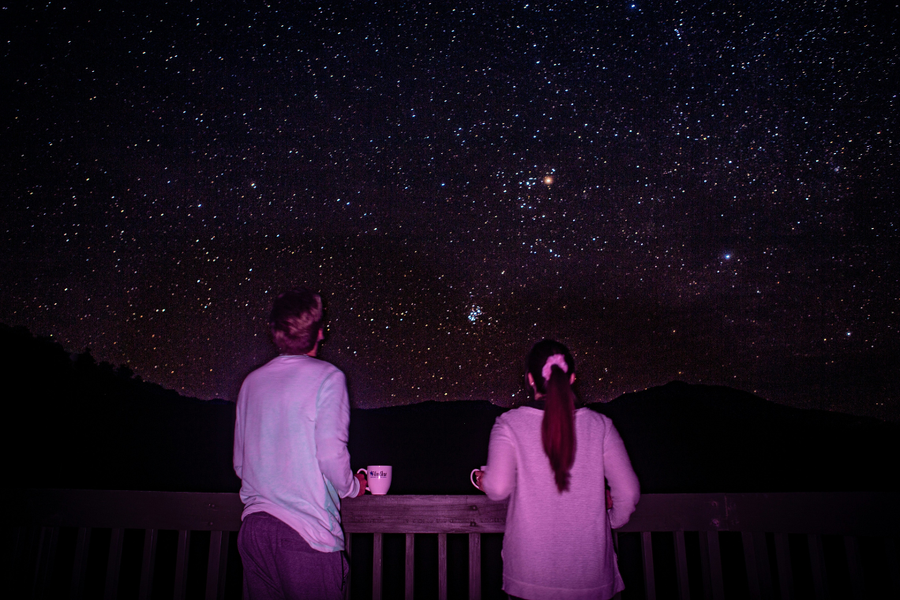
694 191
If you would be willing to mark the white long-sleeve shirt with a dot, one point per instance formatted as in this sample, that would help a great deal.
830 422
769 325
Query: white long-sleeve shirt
290 447
559 545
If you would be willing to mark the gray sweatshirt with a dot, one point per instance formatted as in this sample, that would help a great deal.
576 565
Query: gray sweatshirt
559 545
290 447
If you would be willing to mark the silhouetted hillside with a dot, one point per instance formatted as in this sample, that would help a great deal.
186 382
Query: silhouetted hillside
701 438
75 423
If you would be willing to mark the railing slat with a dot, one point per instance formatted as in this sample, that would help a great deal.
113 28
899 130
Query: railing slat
851 544
785 573
113 564
410 566
223 565
377 565
215 565
681 568
82 545
715 565
817 564
705 577
348 548
750 563
442 566
474 566
181 564
148 562
765 570
649 579
756 516
893 561
46 559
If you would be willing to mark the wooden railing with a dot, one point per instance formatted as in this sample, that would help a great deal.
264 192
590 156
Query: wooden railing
110 544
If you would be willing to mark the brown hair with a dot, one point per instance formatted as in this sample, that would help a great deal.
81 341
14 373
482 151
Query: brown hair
558 426
295 321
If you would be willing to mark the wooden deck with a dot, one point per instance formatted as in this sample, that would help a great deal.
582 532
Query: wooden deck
115 544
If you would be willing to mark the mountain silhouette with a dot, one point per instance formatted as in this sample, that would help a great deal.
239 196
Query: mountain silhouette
75 423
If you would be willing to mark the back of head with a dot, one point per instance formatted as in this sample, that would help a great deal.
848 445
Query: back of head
295 321
551 367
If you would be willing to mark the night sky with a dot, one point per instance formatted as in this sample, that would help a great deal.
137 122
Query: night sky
700 191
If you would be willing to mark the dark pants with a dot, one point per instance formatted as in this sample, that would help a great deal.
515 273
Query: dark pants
279 564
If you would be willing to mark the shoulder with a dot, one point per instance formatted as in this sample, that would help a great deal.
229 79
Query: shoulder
523 419
518 415
293 367
593 418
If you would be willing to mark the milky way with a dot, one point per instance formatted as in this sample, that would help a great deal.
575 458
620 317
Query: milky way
677 190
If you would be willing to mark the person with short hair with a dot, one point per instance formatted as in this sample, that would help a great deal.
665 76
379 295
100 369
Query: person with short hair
290 452
553 461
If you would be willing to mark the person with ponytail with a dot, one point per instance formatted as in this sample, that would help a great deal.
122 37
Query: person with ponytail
553 461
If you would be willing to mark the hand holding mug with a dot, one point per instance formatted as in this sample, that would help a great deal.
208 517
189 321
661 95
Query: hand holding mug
475 477
362 483
378 478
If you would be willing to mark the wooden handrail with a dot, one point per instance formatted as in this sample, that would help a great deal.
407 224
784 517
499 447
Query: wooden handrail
766 523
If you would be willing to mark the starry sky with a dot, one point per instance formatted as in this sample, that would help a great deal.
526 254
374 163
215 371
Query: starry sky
695 191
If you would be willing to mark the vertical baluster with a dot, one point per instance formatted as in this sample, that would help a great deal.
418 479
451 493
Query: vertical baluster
615 535
442 566
377 564
851 545
113 564
706 578
223 565
215 565
765 569
348 548
647 550
817 563
750 563
681 568
409 574
82 545
715 565
148 562
785 574
474 566
46 559
890 550
181 564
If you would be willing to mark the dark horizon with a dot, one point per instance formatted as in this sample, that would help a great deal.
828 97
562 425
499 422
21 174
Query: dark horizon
705 194
91 425
19 339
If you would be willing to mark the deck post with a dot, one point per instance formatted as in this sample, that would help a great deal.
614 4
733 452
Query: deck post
377 565
410 566
442 566
474 566
148 562
649 579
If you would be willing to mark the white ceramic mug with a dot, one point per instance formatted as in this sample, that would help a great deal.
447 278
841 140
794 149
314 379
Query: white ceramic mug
472 475
378 479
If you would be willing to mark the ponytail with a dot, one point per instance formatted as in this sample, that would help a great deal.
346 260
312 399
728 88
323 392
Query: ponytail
558 426
550 365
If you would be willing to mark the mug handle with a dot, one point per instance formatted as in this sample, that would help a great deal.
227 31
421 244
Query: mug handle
472 478
363 470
